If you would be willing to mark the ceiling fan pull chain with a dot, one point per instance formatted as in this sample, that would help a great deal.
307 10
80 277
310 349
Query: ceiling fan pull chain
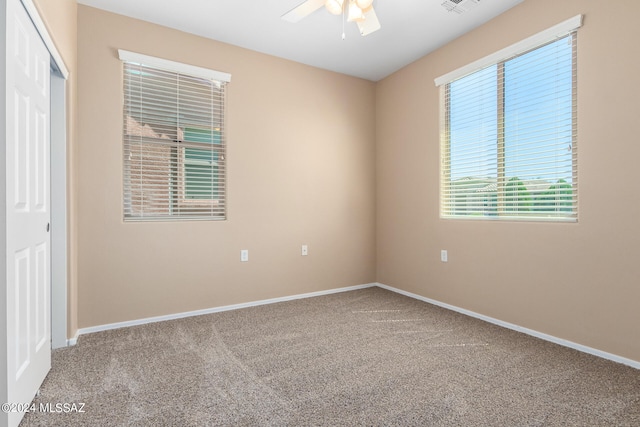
344 36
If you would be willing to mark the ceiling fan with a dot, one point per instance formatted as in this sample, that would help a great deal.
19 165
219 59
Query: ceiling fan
359 11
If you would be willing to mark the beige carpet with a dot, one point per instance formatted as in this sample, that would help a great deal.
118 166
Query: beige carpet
367 357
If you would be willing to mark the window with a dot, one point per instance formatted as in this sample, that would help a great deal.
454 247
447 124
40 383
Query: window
508 140
174 141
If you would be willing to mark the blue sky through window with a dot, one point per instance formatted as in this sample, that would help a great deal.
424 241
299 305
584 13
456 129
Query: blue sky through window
538 122
473 109
538 113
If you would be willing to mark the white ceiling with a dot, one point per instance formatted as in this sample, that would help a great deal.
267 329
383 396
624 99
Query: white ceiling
410 29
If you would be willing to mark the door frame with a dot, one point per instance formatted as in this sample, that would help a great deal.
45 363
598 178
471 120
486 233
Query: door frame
58 194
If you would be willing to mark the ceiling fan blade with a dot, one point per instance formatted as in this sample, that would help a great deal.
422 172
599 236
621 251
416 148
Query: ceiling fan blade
303 10
370 22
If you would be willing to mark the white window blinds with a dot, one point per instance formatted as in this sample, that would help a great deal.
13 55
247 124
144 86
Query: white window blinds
174 140
508 148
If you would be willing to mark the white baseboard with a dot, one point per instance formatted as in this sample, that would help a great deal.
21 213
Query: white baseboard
74 340
546 337
118 325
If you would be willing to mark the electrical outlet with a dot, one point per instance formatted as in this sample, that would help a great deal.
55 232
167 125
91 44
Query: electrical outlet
444 257
305 250
244 255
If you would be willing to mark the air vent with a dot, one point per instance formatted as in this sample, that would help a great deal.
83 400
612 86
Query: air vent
460 6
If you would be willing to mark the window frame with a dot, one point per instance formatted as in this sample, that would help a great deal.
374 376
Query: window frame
178 206
498 60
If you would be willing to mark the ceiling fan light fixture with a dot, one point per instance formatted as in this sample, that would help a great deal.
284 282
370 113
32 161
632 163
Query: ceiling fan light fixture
355 13
359 11
334 6
364 4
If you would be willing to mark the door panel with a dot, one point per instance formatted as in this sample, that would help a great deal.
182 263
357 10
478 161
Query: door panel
41 297
21 158
21 313
41 183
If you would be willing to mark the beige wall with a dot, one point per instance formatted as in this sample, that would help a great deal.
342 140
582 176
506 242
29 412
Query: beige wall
579 282
60 18
301 165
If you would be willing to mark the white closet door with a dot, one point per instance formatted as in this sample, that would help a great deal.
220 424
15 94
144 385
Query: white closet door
28 208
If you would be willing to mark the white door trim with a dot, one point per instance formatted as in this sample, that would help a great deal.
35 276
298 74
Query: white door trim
58 213
3 214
